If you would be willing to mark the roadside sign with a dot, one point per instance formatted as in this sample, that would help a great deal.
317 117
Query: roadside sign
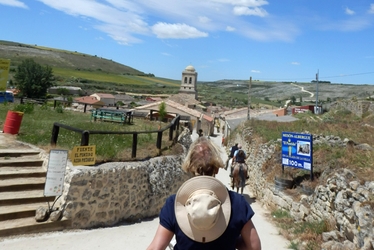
83 155
297 151
4 72
54 182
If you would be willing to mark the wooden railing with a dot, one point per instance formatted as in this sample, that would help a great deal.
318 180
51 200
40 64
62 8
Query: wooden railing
85 134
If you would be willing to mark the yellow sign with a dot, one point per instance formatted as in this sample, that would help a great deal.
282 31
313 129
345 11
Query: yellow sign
83 155
4 72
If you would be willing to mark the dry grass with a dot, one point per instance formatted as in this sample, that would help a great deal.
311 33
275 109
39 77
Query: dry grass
307 233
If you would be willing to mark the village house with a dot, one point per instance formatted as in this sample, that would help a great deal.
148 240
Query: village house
107 99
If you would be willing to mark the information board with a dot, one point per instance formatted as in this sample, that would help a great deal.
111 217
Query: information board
54 183
83 155
297 150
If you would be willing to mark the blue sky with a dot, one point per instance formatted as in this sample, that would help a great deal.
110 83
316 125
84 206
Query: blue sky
280 40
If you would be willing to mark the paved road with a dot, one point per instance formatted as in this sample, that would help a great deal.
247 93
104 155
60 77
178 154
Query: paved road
234 122
139 235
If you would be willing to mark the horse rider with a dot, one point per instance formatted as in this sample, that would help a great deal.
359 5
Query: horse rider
232 151
239 157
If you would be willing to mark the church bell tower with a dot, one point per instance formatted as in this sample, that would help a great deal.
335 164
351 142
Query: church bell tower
189 80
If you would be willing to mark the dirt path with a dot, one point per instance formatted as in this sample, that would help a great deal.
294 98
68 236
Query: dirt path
135 236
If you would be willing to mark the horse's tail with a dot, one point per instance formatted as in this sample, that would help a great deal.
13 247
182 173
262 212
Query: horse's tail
243 172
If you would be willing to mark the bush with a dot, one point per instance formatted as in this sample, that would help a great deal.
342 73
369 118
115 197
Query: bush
27 108
59 109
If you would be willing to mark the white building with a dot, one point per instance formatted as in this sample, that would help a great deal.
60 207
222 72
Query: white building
107 99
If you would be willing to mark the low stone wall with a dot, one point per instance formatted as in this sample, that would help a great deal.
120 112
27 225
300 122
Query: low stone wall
344 202
107 194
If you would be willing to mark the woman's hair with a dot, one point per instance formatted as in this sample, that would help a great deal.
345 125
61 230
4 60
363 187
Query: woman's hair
203 158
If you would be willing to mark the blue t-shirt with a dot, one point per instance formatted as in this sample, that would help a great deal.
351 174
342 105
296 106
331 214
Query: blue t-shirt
241 213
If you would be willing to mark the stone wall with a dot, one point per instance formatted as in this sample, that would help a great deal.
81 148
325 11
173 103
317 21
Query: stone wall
357 107
104 195
343 202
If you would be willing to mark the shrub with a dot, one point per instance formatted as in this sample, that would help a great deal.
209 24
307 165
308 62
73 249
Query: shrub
27 108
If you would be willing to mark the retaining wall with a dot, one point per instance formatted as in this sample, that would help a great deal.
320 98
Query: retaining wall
343 202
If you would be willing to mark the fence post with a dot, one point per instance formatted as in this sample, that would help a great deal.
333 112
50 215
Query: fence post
85 138
134 144
159 140
171 132
55 131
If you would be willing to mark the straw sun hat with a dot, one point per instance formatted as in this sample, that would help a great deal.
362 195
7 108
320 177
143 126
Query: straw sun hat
203 208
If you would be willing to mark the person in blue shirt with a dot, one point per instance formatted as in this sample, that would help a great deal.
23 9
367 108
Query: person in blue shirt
204 214
240 155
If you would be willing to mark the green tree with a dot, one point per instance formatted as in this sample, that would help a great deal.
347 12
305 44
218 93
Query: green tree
293 99
63 91
162 111
33 79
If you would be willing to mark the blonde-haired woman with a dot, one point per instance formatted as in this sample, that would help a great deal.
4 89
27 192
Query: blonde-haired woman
204 214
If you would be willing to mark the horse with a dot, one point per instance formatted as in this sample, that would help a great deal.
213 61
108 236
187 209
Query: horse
239 175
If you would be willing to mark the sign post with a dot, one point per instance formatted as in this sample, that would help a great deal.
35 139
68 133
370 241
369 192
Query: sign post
54 183
297 151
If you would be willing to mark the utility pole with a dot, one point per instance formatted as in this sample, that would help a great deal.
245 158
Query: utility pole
249 98
316 109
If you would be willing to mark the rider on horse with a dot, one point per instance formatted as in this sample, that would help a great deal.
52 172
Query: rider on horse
239 157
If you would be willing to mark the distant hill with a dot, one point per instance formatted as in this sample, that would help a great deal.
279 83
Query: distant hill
94 74
56 58
89 72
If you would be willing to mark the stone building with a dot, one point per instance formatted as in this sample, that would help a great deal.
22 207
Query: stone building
186 104
189 80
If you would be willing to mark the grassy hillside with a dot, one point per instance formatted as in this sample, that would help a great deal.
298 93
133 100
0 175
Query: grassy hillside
87 71
57 58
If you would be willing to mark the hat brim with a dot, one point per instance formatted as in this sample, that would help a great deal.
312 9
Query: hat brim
192 185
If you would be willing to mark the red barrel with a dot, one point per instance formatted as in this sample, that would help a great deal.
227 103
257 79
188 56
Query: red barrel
13 122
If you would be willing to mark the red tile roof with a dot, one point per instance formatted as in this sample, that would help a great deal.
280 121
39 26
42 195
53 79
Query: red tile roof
88 100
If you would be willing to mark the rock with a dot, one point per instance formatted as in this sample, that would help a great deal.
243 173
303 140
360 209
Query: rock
55 215
364 147
41 214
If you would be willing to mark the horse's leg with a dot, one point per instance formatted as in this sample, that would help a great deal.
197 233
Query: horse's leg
241 177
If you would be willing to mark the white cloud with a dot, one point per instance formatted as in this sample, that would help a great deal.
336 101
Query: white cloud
14 3
371 10
354 24
204 19
128 21
229 28
295 63
255 71
248 3
165 54
176 31
348 11
245 11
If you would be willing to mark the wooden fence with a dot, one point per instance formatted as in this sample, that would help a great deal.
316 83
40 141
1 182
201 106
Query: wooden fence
85 134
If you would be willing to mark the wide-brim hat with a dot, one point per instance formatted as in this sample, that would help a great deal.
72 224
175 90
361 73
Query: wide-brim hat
203 208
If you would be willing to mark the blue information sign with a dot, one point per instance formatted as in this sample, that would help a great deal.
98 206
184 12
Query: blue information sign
297 150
